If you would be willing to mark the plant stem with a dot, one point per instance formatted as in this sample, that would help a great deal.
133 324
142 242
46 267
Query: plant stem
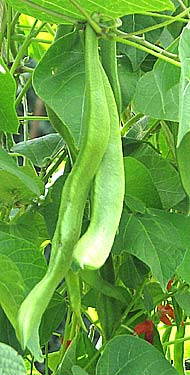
14 21
66 334
94 25
130 306
169 138
179 350
184 20
153 47
3 23
21 94
130 122
147 50
162 24
46 359
183 7
176 341
33 118
25 44
9 15
54 167
50 29
31 366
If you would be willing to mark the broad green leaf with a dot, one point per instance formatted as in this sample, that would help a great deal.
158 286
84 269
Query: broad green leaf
54 10
51 205
182 225
183 269
7 333
157 92
40 150
183 142
131 355
183 299
139 183
76 370
133 272
10 362
154 240
8 119
12 288
133 23
59 81
165 177
24 253
52 317
17 183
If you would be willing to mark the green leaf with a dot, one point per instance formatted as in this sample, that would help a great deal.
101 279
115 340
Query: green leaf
128 80
131 355
8 118
157 92
52 317
139 183
154 240
54 10
7 333
12 288
134 23
59 81
40 150
10 362
165 177
133 272
24 253
50 209
183 269
17 183
183 141
183 299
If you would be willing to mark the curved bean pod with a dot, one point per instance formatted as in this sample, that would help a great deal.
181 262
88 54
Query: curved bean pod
94 140
94 247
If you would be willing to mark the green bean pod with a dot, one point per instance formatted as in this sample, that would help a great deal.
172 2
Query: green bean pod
94 140
109 62
74 291
94 247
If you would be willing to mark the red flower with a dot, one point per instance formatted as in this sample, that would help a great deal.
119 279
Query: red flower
146 328
165 312
170 282
68 343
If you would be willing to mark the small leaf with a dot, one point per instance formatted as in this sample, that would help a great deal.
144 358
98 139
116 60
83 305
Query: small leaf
17 183
40 150
131 355
8 118
10 362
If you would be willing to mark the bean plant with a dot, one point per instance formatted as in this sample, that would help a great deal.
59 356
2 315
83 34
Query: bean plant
94 187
